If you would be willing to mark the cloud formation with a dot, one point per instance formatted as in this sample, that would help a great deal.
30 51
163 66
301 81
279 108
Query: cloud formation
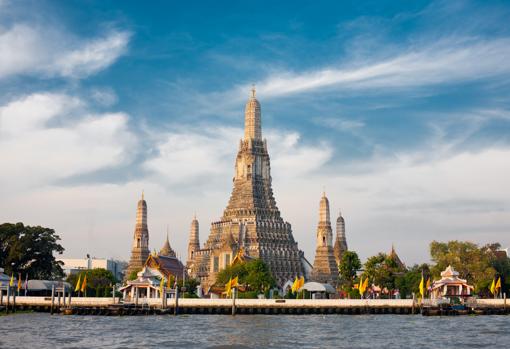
449 60
46 52
49 136
191 154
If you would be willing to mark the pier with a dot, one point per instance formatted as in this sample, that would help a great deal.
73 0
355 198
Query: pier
114 307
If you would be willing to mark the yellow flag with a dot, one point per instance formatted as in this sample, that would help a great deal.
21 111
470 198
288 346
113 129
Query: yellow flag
493 287
19 282
11 283
235 282
161 285
295 285
228 287
498 284
428 284
360 286
301 282
84 284
422 287
365 285
77 288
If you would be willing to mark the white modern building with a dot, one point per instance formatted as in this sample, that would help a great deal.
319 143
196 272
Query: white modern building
76 265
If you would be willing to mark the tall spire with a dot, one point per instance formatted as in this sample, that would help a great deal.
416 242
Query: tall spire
140 248
324 209
340 239
194 238
141 215
252 123
325 268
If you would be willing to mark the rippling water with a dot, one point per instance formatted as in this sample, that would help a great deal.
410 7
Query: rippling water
253 331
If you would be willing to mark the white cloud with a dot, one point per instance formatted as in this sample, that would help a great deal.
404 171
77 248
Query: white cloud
289 156
37 50
340 124
104 96
92 56
445 61
45 137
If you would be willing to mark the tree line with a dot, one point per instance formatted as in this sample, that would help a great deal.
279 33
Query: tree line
479 265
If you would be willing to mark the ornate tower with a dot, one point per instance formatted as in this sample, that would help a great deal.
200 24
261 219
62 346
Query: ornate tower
194 240
340 241
325 269
251 220
140 249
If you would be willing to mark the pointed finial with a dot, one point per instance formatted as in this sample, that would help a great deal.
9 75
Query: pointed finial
167 232
253 91
195 215
339 213
142 195
323 191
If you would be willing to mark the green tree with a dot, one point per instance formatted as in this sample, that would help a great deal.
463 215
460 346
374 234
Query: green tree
347 268
255 275
132 275
97 279
30 250
409 281
383 270
472 262
501 263
190 285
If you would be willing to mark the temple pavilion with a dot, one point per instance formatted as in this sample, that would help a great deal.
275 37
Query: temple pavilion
450 285
164 265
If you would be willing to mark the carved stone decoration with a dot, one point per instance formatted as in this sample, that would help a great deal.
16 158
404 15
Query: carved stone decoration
251 220
140 248
325 268
340 240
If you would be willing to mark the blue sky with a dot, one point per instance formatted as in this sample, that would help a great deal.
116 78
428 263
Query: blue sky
398 109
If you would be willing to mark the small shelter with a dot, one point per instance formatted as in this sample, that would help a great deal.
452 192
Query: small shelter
450 285
146 285
318 290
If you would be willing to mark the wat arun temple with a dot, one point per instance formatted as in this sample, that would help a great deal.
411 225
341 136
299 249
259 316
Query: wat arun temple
251 222
251 225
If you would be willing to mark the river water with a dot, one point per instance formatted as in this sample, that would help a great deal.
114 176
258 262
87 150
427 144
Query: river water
40 330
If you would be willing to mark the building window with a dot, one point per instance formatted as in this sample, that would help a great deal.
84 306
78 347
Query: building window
138 243
227 260
216 264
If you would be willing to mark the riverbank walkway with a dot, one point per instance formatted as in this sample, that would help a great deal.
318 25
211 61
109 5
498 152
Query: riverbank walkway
115 306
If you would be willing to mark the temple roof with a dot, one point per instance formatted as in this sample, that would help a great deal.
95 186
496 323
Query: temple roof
167 265
166 250
393 255
450 277
449 272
